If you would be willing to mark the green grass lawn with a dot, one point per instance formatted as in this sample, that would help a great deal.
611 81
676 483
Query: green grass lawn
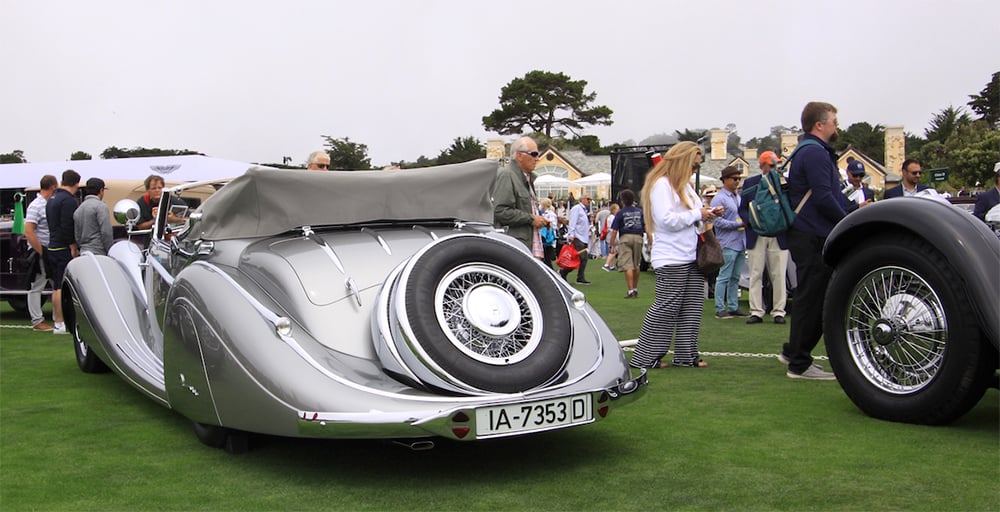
737 435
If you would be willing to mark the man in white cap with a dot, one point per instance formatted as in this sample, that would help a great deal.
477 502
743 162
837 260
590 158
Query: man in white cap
858 194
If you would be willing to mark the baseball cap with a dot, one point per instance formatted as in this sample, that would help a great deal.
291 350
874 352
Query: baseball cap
856 168
768 157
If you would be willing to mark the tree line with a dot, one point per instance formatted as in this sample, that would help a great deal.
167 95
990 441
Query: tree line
556 110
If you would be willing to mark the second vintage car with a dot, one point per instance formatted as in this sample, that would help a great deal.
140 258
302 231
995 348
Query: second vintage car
912 312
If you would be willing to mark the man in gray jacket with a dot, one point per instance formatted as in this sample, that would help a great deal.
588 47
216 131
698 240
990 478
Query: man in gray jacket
514 196
92 222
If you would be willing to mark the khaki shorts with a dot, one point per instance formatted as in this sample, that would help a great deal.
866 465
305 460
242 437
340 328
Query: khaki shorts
629 252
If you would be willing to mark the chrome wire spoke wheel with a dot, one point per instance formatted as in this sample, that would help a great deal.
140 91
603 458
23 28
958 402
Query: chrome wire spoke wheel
897 330
488 314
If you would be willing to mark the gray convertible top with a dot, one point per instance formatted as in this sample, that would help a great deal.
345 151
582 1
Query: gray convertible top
266 202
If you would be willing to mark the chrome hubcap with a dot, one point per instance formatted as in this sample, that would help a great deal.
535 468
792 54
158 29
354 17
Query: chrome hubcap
897 330
488 313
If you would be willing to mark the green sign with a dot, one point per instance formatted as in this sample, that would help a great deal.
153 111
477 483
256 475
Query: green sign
938 174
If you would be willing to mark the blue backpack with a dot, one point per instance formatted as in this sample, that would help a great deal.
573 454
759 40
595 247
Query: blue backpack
770 211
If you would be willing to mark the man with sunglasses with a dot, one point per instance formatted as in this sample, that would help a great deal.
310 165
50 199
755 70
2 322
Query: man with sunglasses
318 161
516 206
911 181
729 231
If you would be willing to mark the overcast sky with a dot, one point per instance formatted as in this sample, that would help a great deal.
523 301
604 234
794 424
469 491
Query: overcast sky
256 80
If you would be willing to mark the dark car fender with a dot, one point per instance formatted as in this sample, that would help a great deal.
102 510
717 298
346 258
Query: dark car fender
967 243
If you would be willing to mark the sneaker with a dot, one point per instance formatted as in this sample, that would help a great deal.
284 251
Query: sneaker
42 326
779 319
783 359
814 372
59 329
754 319
582 281
738 313
606 268
722 315
632 294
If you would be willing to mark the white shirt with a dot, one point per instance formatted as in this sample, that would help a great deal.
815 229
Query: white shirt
675 228
36 215
579 223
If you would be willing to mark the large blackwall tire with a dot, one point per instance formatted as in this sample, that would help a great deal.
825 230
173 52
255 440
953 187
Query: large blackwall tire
486 314
86 359
901 336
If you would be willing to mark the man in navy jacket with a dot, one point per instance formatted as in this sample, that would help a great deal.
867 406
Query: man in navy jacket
813 168
911 181
990 198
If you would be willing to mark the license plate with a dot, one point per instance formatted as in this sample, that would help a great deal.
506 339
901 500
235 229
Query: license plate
534 416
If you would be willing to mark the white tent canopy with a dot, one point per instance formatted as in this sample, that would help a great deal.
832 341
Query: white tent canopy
172 168
551 180
601 178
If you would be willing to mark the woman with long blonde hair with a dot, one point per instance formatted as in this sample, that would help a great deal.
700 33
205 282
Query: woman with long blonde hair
674 215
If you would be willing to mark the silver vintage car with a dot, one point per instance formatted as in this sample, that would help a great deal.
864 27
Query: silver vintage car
366 304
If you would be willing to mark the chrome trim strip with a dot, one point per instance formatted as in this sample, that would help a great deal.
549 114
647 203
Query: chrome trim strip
147 360
378 238
161 270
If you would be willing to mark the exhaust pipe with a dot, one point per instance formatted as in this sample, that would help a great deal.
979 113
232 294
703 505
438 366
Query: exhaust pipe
417 446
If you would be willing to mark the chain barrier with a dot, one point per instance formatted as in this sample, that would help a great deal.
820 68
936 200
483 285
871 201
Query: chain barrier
628 346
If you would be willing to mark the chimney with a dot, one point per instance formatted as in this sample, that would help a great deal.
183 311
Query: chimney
718 141
495 149
788 143
895 149
750 154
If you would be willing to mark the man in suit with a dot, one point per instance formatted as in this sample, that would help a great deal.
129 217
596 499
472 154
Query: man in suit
762 250
990 198
911 181
858 194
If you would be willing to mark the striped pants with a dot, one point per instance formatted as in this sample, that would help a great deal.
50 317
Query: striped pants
675 315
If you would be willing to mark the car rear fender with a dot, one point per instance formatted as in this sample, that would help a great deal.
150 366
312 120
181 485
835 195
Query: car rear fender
110 312
965 241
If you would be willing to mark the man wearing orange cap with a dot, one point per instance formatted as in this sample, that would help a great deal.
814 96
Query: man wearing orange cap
762 250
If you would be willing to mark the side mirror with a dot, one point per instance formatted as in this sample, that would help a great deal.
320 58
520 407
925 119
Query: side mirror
126 212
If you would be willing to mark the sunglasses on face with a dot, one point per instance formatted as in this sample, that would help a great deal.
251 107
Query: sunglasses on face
532 154
915 173
322 166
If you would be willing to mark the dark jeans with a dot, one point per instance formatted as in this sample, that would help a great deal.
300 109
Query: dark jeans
550 255
806 324
581 247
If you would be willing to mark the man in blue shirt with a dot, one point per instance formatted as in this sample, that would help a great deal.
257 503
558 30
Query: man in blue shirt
813 169
627 229
729 231
579 236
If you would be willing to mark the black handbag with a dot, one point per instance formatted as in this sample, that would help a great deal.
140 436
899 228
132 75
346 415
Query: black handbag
709 254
